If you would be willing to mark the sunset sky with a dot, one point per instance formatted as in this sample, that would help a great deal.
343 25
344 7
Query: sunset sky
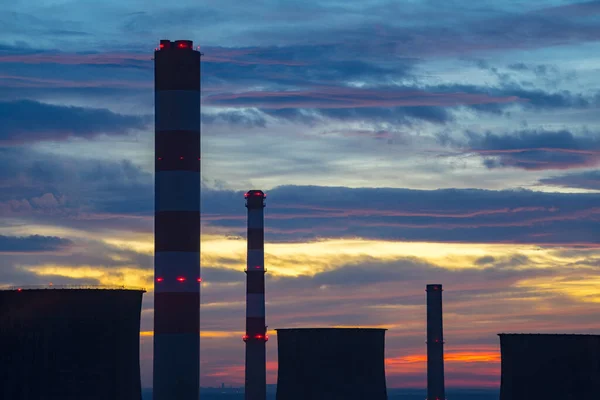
399 143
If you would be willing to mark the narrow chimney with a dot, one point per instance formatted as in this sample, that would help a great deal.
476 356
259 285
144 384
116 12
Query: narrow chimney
435 344
256 330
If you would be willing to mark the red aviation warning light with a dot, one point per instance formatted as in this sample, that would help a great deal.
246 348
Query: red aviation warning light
177 44
256 193
181 279
265 338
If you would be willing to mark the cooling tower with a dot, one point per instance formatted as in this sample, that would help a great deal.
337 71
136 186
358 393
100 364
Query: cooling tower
67 344
177 222
550 367
331 364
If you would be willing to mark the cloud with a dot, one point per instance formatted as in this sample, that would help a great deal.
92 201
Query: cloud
246 118
580 180
339 97
526 97
84 193
535 149
33 243
118 195
300 213
30 121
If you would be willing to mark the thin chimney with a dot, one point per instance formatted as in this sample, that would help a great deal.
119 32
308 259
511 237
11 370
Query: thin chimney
435 344
256 330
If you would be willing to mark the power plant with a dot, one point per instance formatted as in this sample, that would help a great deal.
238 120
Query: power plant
70 343
256 330
177 221
435 344
549 366
331 364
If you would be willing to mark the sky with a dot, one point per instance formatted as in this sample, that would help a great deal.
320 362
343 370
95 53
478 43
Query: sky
399 144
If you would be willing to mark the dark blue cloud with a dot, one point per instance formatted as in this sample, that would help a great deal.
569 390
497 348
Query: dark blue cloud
30 121
306 213
532 99
33 243
536 150
580 180
297 66
61 187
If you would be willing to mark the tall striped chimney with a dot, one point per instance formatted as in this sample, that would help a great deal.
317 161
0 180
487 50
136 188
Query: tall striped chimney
177 221
256 330
435 344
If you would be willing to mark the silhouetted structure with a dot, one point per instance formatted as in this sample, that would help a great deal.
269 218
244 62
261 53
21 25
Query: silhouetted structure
550 366
256 330
177 222
331 364
59 344
435 344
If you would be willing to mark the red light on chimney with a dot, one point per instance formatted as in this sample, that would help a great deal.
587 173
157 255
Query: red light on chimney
162 46
245 337
181 45
181 279
159 158
181 158
19 290
258 336
159 279
199 279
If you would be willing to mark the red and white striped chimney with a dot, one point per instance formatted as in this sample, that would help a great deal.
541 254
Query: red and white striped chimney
177 221
256 330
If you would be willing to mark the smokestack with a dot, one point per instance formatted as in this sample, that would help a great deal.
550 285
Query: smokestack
549 366
177 221
435 344
256 330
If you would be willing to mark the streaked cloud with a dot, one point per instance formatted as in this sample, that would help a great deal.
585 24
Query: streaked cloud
28 121
536 150
583 180
32 243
